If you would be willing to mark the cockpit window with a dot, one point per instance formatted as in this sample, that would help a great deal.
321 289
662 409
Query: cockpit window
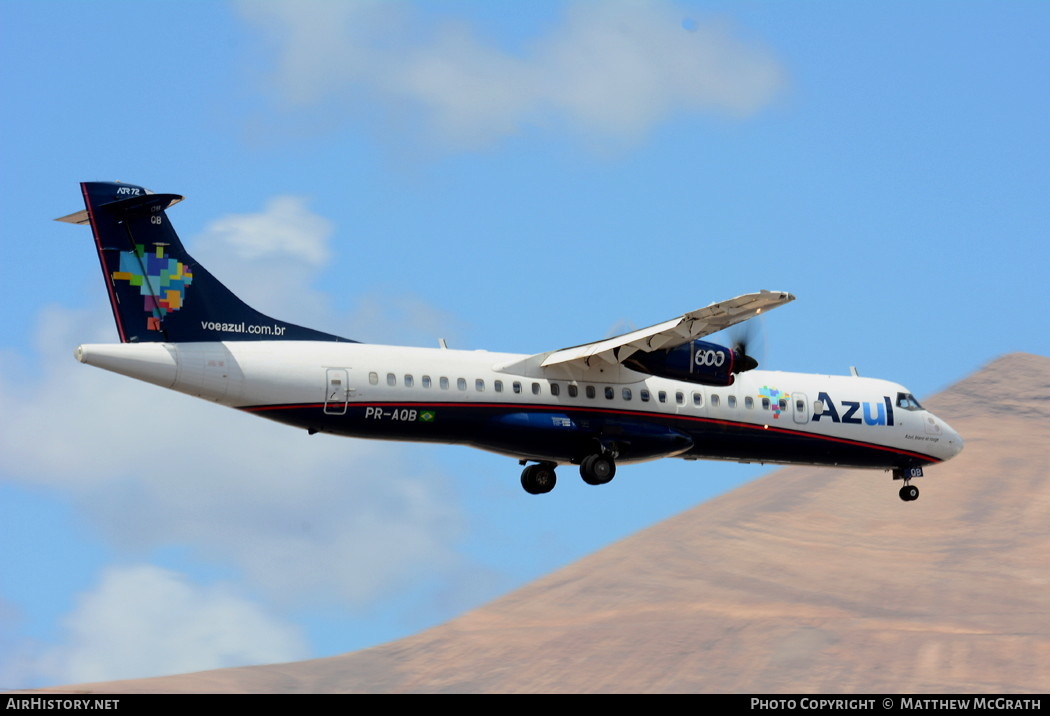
907 401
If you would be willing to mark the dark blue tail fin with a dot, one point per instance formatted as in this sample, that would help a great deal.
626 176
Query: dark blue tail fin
158 292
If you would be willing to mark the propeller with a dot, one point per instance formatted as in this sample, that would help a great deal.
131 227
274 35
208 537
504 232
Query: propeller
745 336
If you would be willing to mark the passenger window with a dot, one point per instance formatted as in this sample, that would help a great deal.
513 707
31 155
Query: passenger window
731 401
461 383
409 381
783 403
662 396
590 391
535 388
609 392
818 407
644 395
443 383
555 389
373 378
391 379
497 386
698 399
765 403
679 398
626 393
800 406
479 385
517 387
426 381
574 390
714 400
749 402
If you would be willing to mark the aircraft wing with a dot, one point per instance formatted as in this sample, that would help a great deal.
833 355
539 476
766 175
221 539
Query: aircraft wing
675 332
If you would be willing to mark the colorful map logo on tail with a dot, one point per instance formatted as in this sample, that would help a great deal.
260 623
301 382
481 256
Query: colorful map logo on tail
162 281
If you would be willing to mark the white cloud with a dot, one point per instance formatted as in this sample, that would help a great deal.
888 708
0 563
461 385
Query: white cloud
286 229
272 258
402 319
297 520
145 621
614 69
305 518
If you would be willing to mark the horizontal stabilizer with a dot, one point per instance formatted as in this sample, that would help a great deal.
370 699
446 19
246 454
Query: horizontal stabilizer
82 217
77 217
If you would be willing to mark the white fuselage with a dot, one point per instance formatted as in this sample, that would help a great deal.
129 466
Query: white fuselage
508 404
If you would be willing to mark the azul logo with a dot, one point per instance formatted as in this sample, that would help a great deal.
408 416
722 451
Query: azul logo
162 281
854 411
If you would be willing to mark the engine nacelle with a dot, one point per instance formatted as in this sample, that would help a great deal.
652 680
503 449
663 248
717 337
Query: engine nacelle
695 362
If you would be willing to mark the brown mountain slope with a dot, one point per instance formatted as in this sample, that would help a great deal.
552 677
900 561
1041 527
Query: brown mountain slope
806 580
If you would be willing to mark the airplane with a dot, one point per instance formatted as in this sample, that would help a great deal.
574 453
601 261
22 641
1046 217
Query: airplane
651 393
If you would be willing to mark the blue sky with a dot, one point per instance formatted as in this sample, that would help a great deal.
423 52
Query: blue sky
509 176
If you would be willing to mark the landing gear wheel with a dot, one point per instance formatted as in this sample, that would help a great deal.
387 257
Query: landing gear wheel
597 469
909 493
538 479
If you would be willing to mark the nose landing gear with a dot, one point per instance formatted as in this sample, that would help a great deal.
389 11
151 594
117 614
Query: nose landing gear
909 492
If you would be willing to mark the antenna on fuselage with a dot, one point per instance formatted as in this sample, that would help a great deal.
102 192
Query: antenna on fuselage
853 371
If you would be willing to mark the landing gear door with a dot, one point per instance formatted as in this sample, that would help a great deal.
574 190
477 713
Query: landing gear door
800 408
337 391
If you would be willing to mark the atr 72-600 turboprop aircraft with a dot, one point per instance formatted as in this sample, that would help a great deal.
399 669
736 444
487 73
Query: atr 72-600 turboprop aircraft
651 393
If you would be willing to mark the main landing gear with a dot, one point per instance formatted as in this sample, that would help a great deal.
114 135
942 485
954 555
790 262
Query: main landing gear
594 469
597 469
539 479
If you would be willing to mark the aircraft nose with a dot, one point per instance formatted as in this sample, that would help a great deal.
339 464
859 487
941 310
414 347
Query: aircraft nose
955 441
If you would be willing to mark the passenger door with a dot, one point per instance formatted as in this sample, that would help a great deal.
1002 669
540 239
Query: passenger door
337 391
800 408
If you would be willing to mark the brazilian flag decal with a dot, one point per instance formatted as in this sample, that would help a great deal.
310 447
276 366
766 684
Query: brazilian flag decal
427 416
